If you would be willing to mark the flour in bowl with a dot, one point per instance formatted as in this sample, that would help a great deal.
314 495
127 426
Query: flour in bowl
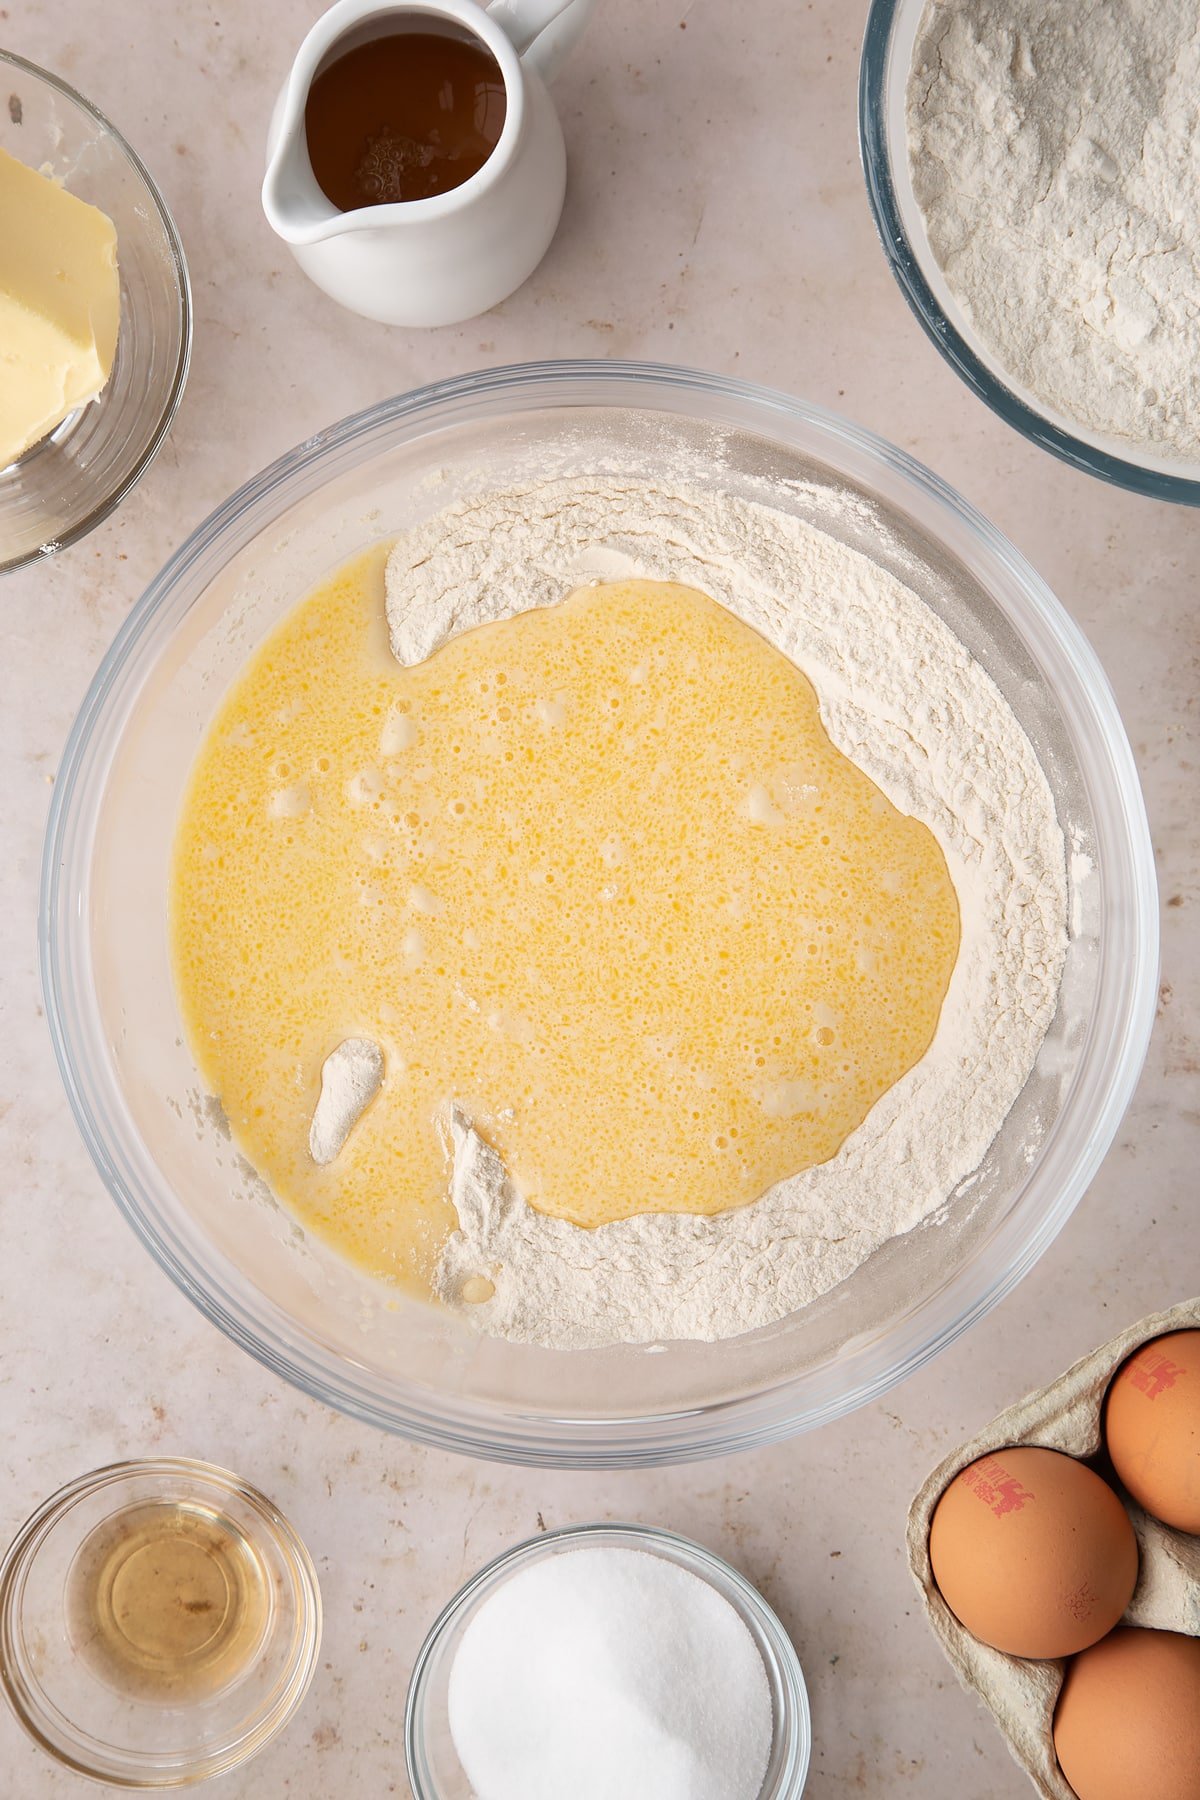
1054 147
905 701
350 1079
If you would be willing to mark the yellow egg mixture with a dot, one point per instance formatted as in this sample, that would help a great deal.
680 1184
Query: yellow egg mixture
594 873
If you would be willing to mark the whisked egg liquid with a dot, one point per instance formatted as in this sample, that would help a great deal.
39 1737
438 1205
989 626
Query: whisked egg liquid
595 873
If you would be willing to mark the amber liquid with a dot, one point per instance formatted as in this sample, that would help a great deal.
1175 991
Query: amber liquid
168 1603
403 118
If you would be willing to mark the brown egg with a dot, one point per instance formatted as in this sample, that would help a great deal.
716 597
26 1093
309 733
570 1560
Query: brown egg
1152 1428
1127 1724
1033 1552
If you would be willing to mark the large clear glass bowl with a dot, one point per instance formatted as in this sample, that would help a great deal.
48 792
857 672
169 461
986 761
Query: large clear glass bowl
892 27
244 1260
64 486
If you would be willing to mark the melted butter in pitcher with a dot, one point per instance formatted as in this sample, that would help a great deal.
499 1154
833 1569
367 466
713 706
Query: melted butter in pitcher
404 117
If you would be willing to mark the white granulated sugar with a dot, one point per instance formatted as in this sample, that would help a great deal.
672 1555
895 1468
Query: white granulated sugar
601 1673
351 1076
899 695
1054 147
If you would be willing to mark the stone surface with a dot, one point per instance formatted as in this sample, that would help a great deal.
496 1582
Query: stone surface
716 216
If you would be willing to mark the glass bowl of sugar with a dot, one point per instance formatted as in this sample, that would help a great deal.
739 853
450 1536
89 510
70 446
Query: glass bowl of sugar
1008 264
622 1653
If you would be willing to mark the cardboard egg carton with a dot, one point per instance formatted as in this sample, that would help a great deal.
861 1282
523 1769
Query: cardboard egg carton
1064 1416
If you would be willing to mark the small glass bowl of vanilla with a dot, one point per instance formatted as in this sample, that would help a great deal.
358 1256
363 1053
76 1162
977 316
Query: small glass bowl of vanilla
159 1623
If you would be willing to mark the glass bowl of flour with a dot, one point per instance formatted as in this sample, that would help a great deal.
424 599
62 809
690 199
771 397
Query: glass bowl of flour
686 1337
1027 166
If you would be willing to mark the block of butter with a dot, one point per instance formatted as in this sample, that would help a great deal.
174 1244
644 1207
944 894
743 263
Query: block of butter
60 304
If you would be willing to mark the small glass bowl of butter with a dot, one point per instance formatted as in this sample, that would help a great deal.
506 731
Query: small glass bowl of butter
53 143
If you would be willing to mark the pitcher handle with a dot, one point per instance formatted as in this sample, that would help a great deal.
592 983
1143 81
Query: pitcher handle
543 32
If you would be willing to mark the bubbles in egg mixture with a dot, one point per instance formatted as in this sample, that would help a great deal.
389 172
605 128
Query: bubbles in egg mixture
595 873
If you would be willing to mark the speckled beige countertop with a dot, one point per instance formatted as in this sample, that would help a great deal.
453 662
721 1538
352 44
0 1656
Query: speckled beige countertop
716 216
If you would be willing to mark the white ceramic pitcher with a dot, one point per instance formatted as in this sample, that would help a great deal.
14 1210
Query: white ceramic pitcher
449 257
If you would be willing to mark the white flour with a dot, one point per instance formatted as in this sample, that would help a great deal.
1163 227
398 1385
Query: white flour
901 696
1054 147
351 1076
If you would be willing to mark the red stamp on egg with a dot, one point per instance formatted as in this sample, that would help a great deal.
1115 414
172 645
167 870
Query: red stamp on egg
990 1481
1152 1373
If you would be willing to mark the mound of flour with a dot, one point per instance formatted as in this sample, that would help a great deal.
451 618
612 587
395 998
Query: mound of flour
1054 147
902 697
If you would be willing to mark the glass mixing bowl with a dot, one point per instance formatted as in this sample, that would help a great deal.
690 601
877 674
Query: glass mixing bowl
69 482
291 1300
891 33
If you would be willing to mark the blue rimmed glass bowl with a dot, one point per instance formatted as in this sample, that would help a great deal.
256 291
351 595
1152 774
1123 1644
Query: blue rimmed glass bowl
892 27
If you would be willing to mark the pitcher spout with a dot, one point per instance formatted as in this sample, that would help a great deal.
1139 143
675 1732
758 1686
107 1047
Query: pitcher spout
296 209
